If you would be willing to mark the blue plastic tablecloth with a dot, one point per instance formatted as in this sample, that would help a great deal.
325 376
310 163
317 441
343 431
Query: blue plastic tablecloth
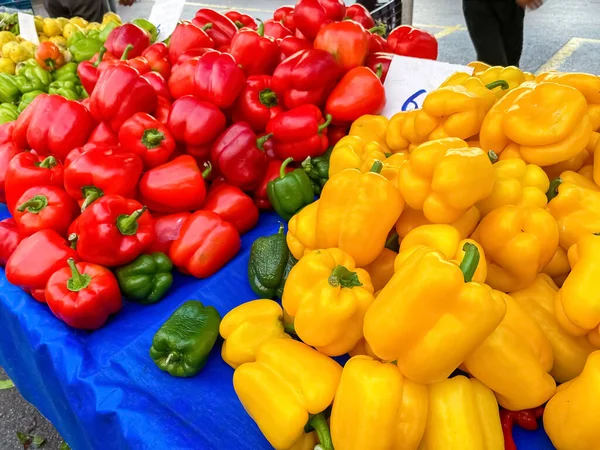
102 391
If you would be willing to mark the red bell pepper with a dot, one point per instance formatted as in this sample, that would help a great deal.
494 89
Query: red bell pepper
188 36
257 103
10 237
27 170
35 259
206 243
45 207
97 170
49 56
195 53
261 199
335 133
347 41
299 133
311 15
166 230
409 41
380 63
238 156
527 419
157 56
360 14
140 64
83 295
276 29
88 71
306 77
124 35
360 92
159 84
8 151
162 111
145 136
103 135
119 94
114 231
256 53
285 15
196 123
222 28
176 186
292 44
241 20
233 205
110 60
6 132
53 125
377 43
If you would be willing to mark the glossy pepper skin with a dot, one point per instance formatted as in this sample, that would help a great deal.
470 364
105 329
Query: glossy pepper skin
9 112
518 243
285 15
256 53
10 237
408 129
411 219
157 56
290 45
514 360
353 152
166 230
82 47
103 134
300 237
188 36
83 295
158 83
35 259
570 352
328 298
306 78
349 202
233 205
261 198
358 13
371 128
409 310
428 182
414 42
127 34
88 72
146 279
114 231
218 79
205 244
276 30
182 345
44 207
311 15
8 151
241 20
286 384
512 75
569 415
145 136
222 29
347 41
317 170
33 78
257 103
290 192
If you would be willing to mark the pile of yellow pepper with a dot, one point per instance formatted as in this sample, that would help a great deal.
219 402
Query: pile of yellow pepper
492 189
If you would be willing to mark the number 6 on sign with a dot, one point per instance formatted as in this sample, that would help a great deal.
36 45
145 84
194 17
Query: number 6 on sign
411 103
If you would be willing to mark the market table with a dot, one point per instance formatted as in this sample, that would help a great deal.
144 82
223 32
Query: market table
101 390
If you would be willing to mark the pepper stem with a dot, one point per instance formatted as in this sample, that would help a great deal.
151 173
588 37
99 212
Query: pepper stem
34 205
498 83
126 52
261 28
207 170
48 163
377 166
268 98
73 238
553 189
341 276
326 123
284 165
289 328
100 56
379 70
238 24
78 281
319 423
260 142
392 242
152 138
469 264
379 29
90 194
493 156
281 228
128 224
208 26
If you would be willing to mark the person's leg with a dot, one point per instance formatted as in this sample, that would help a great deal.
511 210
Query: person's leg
484 29
513 18
90 10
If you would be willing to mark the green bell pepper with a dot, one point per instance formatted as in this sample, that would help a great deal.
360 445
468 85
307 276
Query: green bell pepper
20 68
147 278
290 192
9 91
85 49
67 89
148 26
269 259
106 29
182 345
317 170
93 34
76 37
68 72
27 99
33 79
8 112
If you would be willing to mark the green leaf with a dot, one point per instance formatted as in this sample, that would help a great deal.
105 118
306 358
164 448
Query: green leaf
6 384
37 441
64 446
24 439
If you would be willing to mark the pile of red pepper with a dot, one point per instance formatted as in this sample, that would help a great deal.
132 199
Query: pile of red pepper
92 185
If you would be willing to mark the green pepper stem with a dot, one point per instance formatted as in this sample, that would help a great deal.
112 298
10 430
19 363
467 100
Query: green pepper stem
281 228
469 264
207 170
126 52
379 29
326 123
78 280
341 276
498 83
260 142
100 56
238 24
492 156
261 28
90 194
553 189
289 328
377 166
392 242
48 163
208 26
128 224
268 98
284 165
379 70
319 423
73 238
152 138
34 205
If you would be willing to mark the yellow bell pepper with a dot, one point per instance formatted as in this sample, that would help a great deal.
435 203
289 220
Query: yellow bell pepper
518 243
570 352
288 382
445 178
392 164
558 268
371 128
247 326
513 76
596 163
376 408
301 230
362 348
587 171
430 315
517 183
356 212
463 415
478 67
328 298
447 240
413 218
353 152
574 178
381 269
514 360
511 151
572 164
408 128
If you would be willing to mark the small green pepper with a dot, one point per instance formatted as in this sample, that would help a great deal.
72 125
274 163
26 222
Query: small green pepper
148 26
20 68
317 170
27 99
68 72
93 34
85 49
106 29
9 91
76 37
147 278
8 112
33 79
182 345
67 89
290 192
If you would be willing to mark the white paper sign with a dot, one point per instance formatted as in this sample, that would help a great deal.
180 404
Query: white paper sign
410 79
165 14
27 28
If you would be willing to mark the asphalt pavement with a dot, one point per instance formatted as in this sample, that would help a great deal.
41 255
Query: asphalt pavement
561 35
